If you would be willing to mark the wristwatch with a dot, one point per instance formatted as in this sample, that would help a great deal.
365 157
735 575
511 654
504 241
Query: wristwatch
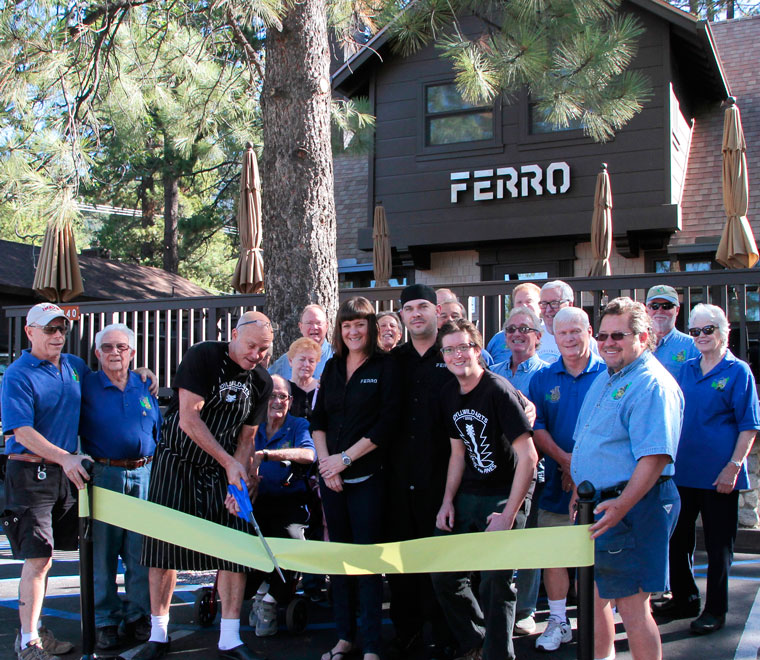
266 454
738 464
346 458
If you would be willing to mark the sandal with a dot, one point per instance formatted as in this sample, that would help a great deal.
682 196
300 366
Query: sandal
334 654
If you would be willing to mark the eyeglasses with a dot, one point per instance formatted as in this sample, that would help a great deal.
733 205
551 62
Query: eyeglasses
616 336
52 329
278 396
459 348
554 304
263 324
706 330
522 329
109 348
665 305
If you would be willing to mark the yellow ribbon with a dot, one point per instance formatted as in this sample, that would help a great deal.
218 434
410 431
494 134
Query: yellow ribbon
549 547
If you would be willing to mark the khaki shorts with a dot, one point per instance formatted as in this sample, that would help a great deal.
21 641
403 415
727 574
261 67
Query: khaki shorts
551 519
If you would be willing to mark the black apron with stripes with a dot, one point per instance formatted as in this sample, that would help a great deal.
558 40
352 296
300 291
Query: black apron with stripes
186 478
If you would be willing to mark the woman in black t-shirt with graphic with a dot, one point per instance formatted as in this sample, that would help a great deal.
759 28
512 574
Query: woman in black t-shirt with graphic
350 424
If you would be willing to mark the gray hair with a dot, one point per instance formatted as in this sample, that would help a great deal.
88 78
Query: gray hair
115 327
284 380
524 311
716 315
572 314
566 290
381 315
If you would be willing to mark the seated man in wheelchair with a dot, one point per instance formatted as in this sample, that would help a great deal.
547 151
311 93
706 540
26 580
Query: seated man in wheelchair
284 455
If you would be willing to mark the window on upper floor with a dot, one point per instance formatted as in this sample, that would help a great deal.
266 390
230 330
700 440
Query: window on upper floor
539 124
449 119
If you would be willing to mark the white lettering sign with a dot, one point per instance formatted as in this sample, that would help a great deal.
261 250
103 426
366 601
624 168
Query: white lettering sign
531 180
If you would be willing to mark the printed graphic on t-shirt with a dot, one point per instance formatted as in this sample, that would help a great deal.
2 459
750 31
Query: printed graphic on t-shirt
472 429
229 391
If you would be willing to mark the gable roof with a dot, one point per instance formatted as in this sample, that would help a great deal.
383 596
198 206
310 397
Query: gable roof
702 212
693 44
104 279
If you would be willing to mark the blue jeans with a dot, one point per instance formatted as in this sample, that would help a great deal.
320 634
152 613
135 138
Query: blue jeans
355 516
109 543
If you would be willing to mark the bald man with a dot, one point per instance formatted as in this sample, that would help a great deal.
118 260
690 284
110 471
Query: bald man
207 441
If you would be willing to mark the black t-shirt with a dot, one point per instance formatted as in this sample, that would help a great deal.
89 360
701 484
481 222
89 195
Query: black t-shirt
364 407
303 402
487 419
232 397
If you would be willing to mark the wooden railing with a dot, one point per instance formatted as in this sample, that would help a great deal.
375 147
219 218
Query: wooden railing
167 327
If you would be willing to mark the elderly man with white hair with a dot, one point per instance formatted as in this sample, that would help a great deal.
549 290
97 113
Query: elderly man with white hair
119 426
313 325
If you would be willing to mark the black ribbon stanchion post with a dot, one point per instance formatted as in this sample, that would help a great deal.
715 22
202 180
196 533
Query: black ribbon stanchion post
86 571
586 504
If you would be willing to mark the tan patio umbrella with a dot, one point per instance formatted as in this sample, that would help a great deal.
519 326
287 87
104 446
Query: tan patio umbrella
381 247
249 271
57 276
737 248
601 225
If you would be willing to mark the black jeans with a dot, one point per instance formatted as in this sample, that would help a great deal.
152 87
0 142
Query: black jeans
720 519
488 619
355 516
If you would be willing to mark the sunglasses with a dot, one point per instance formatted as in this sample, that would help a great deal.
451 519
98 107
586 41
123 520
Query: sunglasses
263 324
522 329
706 330
664 305
616 336
52 329
110 348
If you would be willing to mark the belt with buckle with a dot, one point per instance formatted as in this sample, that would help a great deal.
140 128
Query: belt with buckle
617 489
27 458
127 463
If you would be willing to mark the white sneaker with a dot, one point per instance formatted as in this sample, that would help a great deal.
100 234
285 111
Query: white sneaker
556 633
525 626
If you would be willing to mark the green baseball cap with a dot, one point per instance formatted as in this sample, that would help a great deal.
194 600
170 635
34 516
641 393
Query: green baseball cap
663 291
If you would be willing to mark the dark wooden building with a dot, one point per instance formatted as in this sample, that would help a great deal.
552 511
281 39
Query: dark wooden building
495 192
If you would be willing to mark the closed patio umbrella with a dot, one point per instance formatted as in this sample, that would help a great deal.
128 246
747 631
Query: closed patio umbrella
57 276
601 225
381 247
249 271
737 248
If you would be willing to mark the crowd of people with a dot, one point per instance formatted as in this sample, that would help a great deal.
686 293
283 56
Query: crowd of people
364 438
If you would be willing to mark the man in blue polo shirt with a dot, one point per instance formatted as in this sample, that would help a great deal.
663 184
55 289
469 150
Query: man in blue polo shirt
119 426
313 324
672 347
626 440
40 400
558 392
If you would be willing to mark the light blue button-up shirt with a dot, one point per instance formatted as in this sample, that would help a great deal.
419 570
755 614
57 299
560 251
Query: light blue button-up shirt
625 416
281 366
674 349
523 374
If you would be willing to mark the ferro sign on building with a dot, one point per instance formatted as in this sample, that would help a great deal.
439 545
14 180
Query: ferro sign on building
487 186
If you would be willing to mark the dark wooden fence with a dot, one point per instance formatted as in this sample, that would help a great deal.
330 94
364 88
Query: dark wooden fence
166 327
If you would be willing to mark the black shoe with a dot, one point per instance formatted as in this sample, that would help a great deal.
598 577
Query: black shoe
707 623
406 646
107 638
153 650
138 630
241 652
677 608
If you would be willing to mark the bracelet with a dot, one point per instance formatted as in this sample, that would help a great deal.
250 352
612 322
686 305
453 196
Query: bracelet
738 464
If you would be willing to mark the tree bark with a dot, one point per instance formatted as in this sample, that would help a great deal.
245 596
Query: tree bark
171 214
148 219
300 262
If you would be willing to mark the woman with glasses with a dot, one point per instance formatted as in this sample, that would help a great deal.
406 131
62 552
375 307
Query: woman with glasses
721 417
351 423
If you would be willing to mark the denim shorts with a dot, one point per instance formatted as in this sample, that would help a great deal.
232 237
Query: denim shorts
633 555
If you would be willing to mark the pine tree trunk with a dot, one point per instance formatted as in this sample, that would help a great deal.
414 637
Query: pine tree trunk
148 219
297 172
171 215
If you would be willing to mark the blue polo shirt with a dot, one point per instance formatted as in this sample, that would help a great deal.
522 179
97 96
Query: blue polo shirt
281 366
293 434
498 348
35 393
116 424
523 374
719 405
674 349
625 416
558 397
